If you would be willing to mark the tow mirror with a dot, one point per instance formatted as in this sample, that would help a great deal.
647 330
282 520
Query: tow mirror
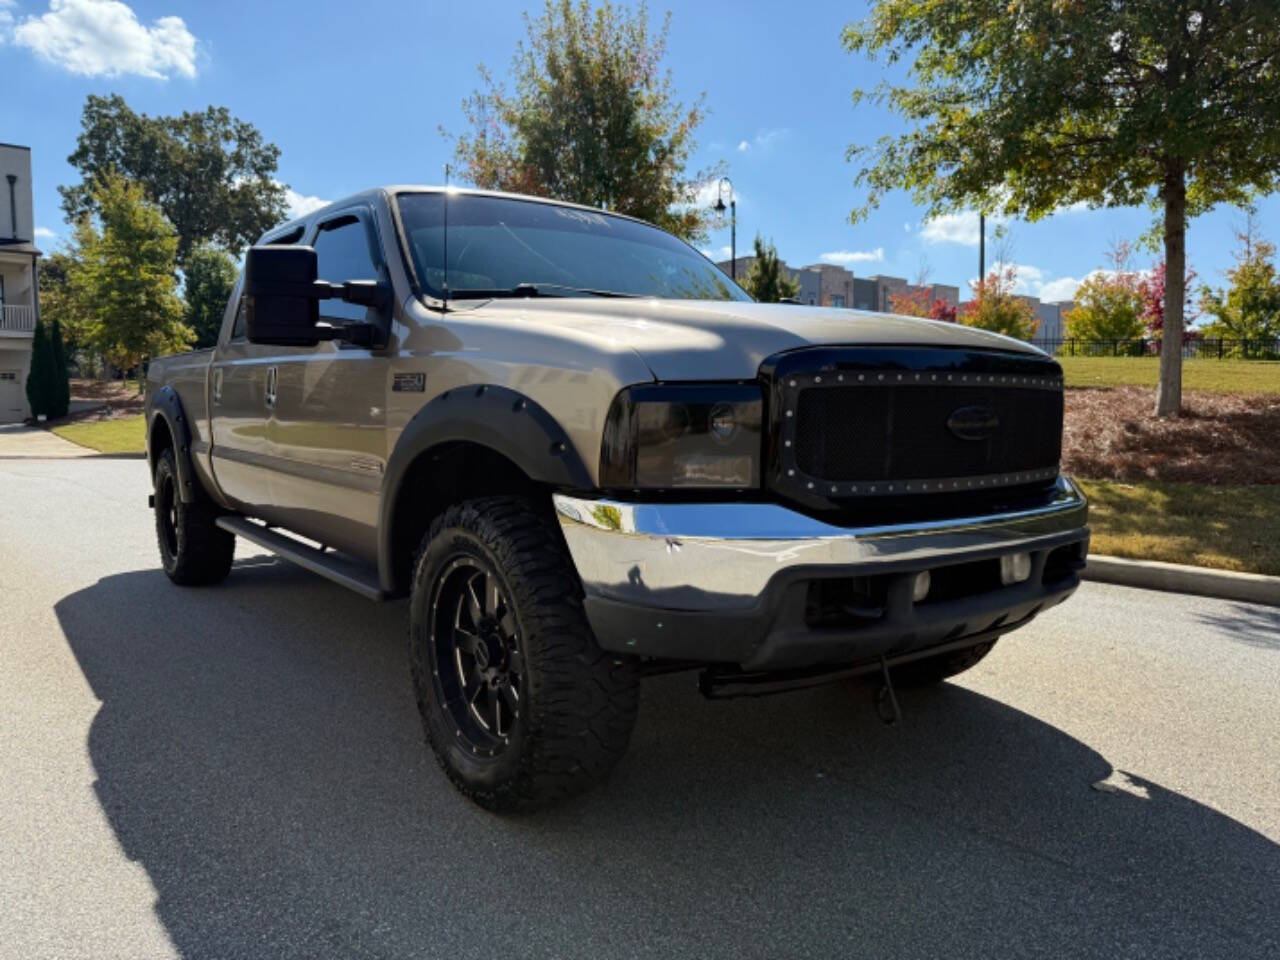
284 297
280 284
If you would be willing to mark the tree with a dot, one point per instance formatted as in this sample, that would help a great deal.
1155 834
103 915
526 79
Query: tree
918 301
766 280
42 385
593 119
125 279
208 278
211 174
1249 309
995 306
1029 107
1109 304
60 394
1152 292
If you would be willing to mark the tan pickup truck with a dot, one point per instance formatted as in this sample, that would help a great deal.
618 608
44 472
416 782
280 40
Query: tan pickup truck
586 456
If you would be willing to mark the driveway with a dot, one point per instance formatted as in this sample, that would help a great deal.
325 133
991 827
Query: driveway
20 442
238 771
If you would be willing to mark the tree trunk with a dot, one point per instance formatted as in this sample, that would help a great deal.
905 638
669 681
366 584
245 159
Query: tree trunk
1169 387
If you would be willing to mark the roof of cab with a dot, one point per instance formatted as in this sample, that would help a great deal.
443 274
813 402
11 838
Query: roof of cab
386 192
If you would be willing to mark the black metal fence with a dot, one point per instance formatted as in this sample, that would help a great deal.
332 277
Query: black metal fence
1214 349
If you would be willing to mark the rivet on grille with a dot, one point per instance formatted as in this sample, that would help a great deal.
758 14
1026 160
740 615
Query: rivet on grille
882 376
917 376
891 488
873 488
791 473
924 486
833 488
788 413
786 443
950 377
862 376
810 484
854 488
840 378
817 379
793 383
899 376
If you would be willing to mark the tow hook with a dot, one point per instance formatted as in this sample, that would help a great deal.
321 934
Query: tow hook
887 708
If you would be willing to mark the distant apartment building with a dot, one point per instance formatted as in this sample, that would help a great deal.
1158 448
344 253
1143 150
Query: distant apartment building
19 267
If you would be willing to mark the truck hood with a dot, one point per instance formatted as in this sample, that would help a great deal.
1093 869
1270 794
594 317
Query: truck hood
727 340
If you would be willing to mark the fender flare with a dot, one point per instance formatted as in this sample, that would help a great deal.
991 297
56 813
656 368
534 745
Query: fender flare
167 405
491 416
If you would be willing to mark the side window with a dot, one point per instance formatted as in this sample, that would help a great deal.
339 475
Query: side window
237 328
342 254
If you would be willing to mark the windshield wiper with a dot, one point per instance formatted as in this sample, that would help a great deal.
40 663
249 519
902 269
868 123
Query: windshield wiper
529 290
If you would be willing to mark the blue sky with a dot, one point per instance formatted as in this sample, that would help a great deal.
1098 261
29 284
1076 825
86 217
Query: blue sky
354 94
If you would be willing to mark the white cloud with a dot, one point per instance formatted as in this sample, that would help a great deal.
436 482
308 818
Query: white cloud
723 253
854 256
1064 288
103 38
743 146
6 18
960 228
44 233
906 227
706 195
301 204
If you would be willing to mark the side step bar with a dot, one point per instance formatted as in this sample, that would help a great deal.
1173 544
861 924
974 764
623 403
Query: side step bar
331 566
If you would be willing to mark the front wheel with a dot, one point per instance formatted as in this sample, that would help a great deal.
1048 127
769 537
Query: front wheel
194 550
520 705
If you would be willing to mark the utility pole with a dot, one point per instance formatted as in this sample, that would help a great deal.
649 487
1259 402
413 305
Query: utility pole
982 247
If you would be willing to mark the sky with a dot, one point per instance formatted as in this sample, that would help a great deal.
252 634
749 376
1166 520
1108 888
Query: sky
356 94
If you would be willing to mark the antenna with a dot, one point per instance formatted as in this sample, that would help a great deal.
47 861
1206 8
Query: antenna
444 282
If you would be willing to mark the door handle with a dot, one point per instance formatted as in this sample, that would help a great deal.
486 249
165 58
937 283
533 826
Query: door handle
217 385
272 378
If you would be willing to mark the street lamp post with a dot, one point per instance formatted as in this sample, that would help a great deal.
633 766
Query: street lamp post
733 223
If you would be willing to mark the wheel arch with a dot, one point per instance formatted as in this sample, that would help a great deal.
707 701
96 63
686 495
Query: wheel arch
474 441
167 428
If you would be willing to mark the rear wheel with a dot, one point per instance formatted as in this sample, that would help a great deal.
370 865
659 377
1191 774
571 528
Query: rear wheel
519 703
935 669
193 549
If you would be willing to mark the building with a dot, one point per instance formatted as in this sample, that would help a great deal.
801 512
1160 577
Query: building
19 269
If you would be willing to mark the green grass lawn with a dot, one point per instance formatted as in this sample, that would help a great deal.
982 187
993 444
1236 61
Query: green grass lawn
1230 528
126 435
1212 376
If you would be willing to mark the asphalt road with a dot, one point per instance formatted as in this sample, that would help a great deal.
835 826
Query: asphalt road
239 772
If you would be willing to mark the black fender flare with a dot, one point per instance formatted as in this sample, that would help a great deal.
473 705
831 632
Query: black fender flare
166 405
495 417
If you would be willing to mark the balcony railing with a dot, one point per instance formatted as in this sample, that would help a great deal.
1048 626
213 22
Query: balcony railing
16 318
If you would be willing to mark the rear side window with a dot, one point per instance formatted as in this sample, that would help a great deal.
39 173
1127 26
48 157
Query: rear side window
242 312
342 254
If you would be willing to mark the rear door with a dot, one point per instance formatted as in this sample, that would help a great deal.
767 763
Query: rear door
328 425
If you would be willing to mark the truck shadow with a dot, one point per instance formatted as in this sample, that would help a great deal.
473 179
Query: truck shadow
258 752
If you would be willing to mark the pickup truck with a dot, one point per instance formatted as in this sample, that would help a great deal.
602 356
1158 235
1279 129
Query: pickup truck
586 456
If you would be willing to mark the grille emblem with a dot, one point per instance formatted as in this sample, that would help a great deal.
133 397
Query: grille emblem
973 423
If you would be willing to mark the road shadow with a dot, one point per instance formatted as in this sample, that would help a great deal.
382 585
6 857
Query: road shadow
1248 623
258 752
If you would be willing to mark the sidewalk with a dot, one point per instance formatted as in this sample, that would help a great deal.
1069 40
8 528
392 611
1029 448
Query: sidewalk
18 441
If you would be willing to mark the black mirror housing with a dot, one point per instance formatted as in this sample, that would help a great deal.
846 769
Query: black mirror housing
283 301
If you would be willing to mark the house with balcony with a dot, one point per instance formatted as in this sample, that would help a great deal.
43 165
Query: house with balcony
19 270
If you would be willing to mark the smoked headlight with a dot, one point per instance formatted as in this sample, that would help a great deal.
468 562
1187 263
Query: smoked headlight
683 435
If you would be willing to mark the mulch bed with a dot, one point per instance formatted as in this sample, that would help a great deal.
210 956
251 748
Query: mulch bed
1220 439
114 400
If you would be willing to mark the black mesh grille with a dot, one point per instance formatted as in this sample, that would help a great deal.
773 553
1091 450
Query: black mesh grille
900 432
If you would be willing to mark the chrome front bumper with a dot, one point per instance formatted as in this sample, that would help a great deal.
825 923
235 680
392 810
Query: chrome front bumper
720 562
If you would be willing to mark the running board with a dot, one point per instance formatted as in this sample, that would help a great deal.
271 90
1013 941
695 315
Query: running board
332 566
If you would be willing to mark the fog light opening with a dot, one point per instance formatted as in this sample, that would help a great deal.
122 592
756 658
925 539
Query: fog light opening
1015 568
920 586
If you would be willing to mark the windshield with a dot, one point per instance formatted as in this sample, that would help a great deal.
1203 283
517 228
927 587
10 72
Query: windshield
497 244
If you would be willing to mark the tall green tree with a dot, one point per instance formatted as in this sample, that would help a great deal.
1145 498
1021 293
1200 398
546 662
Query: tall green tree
1249 309
1028 106
42 377
765 279
207 281
211 174
126 280
593 119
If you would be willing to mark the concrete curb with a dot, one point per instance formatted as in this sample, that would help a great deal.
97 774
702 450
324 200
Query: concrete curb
1201 581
